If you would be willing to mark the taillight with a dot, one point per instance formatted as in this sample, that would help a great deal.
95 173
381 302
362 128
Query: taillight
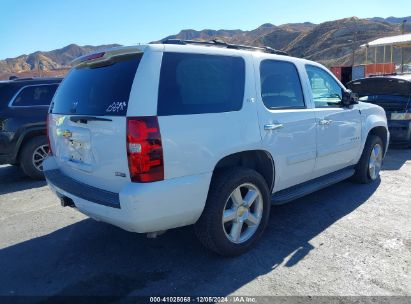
144 149
48 133
92 56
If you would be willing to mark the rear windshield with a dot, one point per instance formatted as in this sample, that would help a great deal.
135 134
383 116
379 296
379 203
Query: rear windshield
380 87
102 89
199 83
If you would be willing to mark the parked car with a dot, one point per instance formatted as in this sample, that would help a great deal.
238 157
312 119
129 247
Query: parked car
393 93
154 137
24 103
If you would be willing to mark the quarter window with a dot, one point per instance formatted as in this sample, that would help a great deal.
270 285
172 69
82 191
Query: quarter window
325 90
34 95
280 85
199 83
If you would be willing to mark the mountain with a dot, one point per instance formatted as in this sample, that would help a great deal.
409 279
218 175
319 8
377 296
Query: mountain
266 34
393 20
53 63
330 43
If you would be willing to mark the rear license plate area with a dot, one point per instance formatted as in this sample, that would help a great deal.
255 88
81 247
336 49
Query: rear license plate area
76 151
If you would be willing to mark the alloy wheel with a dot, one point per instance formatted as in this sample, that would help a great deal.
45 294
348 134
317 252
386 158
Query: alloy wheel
39 155
375 163
242 213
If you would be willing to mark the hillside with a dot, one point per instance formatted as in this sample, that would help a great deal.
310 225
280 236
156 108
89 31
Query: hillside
330 43
53 63
391 19
267 34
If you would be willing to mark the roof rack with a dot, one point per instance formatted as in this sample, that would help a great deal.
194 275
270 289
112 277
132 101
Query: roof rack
221 43
17 79
21 79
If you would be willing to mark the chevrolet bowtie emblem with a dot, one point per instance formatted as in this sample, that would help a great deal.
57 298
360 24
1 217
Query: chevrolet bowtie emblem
67 134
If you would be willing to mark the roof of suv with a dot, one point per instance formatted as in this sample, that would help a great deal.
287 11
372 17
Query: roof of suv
35 80
223 44
406 77
186 48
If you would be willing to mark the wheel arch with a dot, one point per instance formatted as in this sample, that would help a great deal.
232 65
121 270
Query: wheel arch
381 132
25 137
376 124
258 160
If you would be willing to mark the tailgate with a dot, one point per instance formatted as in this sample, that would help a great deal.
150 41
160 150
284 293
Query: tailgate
93 153
87 124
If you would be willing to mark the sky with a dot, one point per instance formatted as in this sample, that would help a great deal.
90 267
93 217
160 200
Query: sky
31 25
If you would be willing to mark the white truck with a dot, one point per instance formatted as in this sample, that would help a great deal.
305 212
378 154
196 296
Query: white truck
160 136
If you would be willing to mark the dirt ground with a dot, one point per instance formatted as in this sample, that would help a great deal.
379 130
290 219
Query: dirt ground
348 239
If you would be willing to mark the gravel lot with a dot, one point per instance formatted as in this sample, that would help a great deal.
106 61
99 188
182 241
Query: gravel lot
348 239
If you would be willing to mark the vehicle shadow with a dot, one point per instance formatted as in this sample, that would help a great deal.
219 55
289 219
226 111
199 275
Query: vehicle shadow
91 258
396 157
12 179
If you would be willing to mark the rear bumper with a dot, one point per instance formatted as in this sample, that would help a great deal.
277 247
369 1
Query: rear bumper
138 207
400 131
80 190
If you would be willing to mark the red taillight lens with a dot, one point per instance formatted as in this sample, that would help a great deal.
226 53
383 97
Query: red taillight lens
144 149
48 133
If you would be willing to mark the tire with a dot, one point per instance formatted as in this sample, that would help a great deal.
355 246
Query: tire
363 173
29 155
219 237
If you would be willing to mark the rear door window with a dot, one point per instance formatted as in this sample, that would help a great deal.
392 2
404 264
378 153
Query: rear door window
199 83
280 85
101 89
35 95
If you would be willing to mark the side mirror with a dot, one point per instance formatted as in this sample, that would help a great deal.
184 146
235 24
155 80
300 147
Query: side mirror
349 98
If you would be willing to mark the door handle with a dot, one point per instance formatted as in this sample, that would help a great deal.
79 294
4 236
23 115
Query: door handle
325 122
273 126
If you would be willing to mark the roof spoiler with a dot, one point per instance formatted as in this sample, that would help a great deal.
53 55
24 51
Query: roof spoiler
107 55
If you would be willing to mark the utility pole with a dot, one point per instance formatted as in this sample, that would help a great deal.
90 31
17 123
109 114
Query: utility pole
354 42
38 67
354 45
402 48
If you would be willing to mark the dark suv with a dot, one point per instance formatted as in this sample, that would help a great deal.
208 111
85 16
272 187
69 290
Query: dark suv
393 93
23 113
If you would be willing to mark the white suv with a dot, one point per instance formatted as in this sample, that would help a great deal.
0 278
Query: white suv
154 137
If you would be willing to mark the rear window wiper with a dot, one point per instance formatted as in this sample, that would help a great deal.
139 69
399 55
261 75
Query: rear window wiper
85 119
